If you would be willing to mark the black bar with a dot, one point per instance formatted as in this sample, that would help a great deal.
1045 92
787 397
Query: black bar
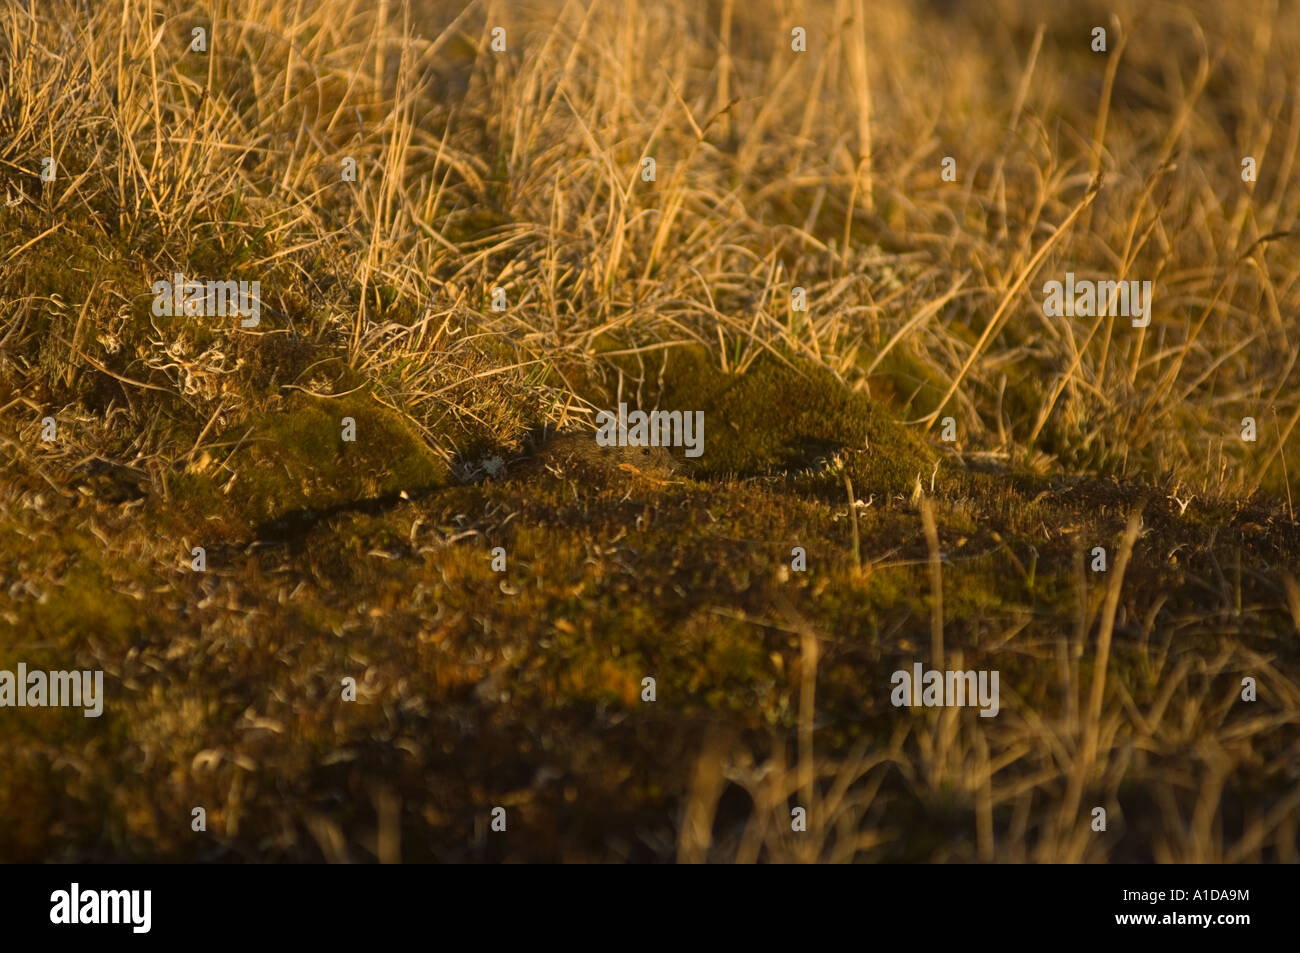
958 903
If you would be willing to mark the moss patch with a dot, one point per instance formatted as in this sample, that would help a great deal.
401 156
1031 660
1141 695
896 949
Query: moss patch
293 458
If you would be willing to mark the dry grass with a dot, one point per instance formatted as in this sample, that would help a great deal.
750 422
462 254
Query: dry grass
521 171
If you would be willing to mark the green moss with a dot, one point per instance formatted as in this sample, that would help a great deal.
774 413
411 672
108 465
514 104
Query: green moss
784 415
295 457
906 384
85 596
86 602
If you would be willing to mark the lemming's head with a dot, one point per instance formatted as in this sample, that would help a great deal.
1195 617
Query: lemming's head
653 461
